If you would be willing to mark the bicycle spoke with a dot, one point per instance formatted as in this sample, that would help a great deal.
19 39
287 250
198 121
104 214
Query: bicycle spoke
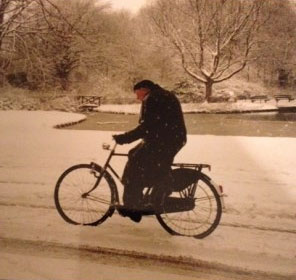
96 199
199 221
72 198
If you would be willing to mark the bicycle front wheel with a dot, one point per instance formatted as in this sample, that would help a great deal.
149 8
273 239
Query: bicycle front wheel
202 218
75 200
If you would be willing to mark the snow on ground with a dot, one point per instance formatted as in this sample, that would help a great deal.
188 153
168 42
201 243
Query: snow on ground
258 229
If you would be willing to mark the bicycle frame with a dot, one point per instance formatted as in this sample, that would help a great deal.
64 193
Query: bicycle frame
190 187
198 167
105 167
112 153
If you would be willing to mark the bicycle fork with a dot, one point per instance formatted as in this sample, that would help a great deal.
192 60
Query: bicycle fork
102 173
99 178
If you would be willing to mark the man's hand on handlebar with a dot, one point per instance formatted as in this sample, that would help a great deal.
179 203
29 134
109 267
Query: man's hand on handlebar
119 139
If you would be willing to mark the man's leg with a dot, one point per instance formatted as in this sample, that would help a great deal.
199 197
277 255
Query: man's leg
133 191
133 177
132 196
161 190
130 206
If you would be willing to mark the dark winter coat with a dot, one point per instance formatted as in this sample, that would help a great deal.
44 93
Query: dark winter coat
162 128
161 123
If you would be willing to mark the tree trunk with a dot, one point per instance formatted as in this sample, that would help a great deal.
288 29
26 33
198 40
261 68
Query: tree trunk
64 83
248 73
209 86
1 79
1 25
3 7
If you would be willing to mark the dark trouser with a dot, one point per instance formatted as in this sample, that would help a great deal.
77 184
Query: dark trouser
147 166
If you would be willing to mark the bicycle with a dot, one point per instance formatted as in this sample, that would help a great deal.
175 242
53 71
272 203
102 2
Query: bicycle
87 194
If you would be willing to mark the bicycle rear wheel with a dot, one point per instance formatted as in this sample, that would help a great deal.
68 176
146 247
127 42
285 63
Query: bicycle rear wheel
203 217
74 203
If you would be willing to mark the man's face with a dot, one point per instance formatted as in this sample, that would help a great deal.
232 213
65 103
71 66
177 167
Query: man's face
141 93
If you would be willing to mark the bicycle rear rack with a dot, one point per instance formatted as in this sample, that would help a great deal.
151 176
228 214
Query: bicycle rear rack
196 166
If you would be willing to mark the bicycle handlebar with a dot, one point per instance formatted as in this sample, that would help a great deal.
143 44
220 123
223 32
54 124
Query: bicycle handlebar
106 146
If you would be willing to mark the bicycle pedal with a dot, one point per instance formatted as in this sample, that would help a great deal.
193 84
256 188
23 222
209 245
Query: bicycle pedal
147 211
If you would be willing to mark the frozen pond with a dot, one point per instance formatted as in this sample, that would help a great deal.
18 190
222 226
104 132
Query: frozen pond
247 124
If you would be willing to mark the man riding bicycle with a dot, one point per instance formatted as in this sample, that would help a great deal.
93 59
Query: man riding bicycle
163 133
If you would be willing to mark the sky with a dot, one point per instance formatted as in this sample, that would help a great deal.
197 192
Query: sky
131 5
135 5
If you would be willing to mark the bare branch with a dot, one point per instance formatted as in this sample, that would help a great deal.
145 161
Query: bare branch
214 38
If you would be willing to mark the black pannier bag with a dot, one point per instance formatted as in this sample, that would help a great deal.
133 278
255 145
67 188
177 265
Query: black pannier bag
184 177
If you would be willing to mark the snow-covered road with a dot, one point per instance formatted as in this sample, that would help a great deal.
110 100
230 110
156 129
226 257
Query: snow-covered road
257 232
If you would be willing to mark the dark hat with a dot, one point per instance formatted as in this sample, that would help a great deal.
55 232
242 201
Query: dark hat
145 84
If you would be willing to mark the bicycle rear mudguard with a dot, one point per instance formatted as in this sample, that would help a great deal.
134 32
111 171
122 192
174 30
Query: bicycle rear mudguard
219 190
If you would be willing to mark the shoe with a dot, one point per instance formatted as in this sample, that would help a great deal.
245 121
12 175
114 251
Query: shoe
135 216
122 211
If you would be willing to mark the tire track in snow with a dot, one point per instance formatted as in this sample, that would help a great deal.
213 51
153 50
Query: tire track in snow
23 183
124 256
234 225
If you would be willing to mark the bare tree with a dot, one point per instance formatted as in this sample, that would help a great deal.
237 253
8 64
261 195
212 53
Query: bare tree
49 39
10 13
277 53
75 41
18 19
214 38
